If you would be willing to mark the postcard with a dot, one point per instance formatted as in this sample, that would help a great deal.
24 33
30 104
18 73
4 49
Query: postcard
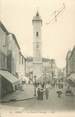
37 58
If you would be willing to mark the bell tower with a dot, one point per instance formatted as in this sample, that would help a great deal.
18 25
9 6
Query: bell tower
37 46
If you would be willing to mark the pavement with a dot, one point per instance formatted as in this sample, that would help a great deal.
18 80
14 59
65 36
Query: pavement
27 92
53 104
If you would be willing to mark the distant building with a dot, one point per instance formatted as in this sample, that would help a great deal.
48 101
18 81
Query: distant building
68 63
22 66
46 65
64 72
49 67
29 66
37 46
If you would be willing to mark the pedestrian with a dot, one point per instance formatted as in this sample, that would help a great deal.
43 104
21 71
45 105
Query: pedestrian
41 94
59 93
43 85
38 93
47 93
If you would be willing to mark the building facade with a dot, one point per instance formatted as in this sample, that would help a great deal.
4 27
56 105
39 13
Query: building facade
70 70
49 69
70 62
22 66
16 60
3 46
6 78
13 54
12 62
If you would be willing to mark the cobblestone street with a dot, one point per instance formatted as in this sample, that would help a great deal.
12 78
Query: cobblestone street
53 104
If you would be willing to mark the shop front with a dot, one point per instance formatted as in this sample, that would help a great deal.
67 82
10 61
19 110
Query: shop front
8 83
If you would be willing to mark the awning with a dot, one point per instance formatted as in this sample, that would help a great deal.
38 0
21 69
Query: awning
8 76
71 77
71 80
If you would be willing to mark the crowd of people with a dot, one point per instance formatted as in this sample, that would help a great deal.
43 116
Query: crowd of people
42 90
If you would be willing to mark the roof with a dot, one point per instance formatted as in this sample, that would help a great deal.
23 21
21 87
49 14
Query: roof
29 59
37 14
52 60
22 55
45 59
37 17
68 54
3 28
14 37
6 31
8 76
72 51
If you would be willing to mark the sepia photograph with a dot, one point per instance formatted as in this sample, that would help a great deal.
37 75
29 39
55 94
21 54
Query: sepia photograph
37 57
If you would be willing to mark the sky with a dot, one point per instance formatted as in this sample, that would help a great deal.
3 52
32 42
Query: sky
57 37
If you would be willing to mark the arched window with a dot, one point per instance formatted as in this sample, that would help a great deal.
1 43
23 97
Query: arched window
37 34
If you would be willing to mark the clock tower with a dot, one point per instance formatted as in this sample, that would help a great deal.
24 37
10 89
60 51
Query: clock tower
37 46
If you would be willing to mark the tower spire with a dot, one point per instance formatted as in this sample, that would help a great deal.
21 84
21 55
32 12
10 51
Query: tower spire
37 13
37 49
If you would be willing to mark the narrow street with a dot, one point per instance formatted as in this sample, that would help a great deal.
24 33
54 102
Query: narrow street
53 104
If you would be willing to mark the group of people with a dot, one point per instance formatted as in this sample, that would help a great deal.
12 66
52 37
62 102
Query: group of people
42 89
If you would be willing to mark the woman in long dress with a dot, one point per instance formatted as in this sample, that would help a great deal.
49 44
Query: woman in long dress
41 94
47 91
38 93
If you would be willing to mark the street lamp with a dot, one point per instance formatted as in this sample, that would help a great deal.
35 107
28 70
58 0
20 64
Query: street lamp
34 85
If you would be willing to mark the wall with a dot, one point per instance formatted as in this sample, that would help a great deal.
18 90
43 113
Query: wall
3 49
6 87
29 66
13 52
68 63
22 63
72 62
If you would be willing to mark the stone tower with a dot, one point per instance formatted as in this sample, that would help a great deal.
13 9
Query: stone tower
37 46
